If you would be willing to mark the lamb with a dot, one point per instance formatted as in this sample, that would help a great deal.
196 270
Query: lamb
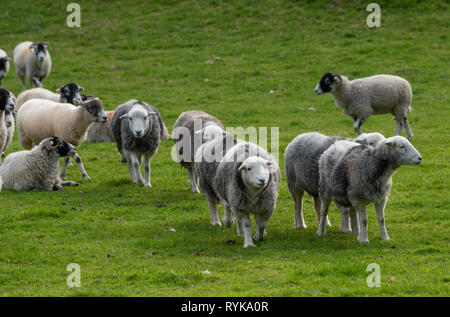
38 168
4 65
302 172
186 140
247 181
354 175
32 61
377 94
38 119
6 104
101 132
206 160
68 93
138 129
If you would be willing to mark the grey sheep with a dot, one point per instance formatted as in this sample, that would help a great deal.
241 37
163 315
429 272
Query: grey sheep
362 97
101 132
247 182
38 168
302 171
354 175
187 135
138 129
32 61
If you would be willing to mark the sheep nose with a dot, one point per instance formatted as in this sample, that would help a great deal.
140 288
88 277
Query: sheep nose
139 132
262 180
419 159
104 118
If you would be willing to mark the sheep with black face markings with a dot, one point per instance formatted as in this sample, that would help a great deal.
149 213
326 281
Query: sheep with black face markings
363 97
32 60
4 65
355 175
68 93
6 104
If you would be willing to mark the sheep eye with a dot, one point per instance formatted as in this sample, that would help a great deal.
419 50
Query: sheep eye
249 169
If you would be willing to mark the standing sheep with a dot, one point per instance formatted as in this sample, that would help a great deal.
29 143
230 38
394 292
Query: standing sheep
101 132
138 129
69 93
362 97
32 61
38 119
302 172
4 65
354 175
187 140
247 181
38 168
6 104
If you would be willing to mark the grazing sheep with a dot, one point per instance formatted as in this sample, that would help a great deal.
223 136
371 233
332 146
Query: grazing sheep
38 168
69 93
354 175
101 132
38 119
138 129
206 160
32 61
362 97
247 181
6 104
186 140
4 65
302 172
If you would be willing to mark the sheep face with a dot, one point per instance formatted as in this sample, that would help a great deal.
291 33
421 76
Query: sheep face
139 121
8 119
327 83
60 146
6 100
95 109
255 172
370 139
71 92
39 50
403 151
4 66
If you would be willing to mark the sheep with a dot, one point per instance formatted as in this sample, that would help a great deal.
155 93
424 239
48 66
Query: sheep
38 168
355 175
10 127
68 93
206 160
101 132
4 65
138 130
186 140
302 172
247 181
362 97
38 119
6 104
32 61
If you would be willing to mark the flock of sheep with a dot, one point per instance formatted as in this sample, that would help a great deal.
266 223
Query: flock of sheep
241 175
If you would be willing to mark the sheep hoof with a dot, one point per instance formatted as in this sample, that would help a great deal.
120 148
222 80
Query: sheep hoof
345 230
195 190
300 227
147 185
85 176
216 223
363 240
227 222
320 233
386 238
249 244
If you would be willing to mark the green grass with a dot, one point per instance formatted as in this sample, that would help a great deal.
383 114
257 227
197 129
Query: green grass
156 51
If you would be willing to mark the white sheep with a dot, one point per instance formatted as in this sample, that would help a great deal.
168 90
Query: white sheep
38 168
377 94
354 175
6 104
38 119
68 93
4 65
33 62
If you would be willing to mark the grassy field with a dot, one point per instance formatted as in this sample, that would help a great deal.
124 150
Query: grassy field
249 63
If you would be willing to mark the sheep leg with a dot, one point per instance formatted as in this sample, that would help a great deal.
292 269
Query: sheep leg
324 205
64 168
77 159
362 215
22 81
299 221
240 230
317 208
131 170
246 224
357 125
194 186
354 220
345 219
147 170
36 81
261 221
134 160
227 217
213 213
379 207
409 133
399 127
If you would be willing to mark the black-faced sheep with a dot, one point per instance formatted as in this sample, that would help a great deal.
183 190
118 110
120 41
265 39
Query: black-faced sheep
4 65
32 61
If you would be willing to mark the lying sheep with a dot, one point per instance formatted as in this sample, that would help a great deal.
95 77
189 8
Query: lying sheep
206 160
187 140
4 65
377 94
38 168
354 175
247 181
6 104
69 93
302 173
138 129
32 61
38 119
101 132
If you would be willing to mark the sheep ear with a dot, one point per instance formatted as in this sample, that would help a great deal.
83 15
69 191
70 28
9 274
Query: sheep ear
199 131
124 116
337 78
80 88
150 113
389 143
59 89
242 167
46 45
7 58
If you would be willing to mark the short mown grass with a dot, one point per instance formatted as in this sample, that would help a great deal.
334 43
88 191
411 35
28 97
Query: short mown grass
121 235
